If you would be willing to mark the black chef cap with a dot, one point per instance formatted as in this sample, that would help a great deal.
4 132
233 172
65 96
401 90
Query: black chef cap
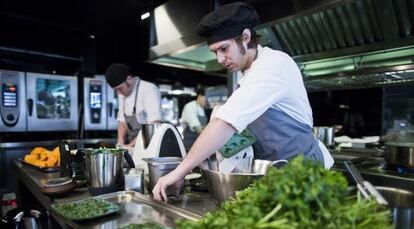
117 73
227 21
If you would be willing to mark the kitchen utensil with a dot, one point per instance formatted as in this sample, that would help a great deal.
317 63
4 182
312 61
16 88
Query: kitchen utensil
400 154
24 219
365 187
325 134
104 170
134 180
148 131
160 166
223 186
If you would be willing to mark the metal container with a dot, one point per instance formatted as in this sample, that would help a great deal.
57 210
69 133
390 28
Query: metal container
104 170
223 186
134 180
325 134
148 131
160 166
400 154
401 204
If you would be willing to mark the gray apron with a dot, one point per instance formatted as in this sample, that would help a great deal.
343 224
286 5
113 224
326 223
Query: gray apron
133 126
279 136
190 136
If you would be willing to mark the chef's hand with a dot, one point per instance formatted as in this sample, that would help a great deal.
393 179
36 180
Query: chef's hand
160 188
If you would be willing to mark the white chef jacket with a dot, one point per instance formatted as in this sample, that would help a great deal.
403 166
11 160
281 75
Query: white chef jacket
273 81
148 104
190 114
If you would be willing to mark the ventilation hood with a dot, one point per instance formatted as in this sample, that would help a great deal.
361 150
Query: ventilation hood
327 38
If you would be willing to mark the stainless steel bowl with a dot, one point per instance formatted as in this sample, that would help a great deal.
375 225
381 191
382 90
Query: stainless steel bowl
223 186
160 166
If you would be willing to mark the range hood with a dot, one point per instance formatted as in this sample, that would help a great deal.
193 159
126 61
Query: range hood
327 38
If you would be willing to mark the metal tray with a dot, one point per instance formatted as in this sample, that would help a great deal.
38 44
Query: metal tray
135 208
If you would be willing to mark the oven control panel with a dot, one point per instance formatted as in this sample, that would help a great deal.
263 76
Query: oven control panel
10 105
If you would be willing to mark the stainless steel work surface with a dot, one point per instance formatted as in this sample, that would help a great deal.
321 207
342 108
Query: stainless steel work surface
135 208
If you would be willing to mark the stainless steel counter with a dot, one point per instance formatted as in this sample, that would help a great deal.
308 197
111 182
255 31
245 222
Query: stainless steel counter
196 203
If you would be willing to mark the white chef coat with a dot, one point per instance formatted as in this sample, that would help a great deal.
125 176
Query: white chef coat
148 104
190 114
273 81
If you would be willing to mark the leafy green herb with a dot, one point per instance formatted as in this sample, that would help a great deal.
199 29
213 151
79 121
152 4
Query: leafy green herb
86 209
302 195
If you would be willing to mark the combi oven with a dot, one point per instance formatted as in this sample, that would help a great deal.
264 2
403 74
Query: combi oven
52 102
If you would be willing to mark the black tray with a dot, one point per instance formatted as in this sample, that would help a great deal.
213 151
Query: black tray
43 169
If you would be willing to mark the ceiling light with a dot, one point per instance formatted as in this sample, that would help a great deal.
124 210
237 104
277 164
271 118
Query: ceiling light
145 16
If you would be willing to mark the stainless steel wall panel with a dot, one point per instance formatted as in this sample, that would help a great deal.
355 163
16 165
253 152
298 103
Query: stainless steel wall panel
284 39
328 29
372 15
292 39
355 25
298 35
387 19
403 19
337 27
321 31
308 22
306 35
345 25
365 23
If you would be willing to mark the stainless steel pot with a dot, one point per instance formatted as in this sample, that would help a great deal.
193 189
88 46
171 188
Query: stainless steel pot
104 170
400 154
325 134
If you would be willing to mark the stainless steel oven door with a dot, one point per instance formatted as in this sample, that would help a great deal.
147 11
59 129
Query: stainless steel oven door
52 102
12 101
94 102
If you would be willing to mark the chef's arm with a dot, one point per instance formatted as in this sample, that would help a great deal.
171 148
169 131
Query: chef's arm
214 136
122 130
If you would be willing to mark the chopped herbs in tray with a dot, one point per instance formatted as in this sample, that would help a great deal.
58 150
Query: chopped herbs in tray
86 209
143 226
302 195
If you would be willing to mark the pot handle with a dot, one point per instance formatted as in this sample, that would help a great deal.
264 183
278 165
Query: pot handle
129 160
279 163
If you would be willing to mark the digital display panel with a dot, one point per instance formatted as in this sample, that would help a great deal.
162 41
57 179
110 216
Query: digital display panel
96 100
9 95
